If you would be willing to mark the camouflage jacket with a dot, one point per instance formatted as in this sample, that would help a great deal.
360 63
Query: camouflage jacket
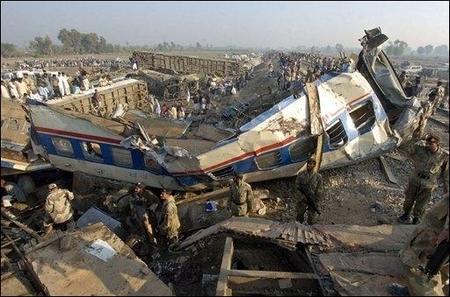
58 205
168 221
309 184
420 245
428 165
241 198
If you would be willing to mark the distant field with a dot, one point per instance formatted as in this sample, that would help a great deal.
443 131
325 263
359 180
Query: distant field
424 61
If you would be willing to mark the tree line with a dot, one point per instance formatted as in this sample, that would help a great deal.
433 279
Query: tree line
75 42
399 48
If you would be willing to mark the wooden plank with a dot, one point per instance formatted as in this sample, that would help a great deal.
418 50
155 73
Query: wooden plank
222 282
316 121
315 269
21 226
387 171
221 193
272 274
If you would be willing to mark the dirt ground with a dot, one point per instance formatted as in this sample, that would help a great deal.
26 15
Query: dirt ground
359 194
354 195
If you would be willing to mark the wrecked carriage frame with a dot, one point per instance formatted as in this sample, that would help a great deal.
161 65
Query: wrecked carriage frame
348 117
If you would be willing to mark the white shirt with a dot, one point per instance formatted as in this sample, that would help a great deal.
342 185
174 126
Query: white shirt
43 91
35 97
157 108
13 90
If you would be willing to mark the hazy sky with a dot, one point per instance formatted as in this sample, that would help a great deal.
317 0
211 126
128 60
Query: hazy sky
271 24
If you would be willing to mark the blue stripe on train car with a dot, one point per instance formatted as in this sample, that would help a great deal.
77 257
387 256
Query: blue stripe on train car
136 155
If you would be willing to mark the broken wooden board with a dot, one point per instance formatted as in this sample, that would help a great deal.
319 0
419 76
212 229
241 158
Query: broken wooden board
287 234
380 263
387 170
374 238
272 274
397 157
222 286
362 284
76 272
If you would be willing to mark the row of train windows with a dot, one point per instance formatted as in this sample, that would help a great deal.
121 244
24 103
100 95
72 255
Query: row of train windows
92 152
299 151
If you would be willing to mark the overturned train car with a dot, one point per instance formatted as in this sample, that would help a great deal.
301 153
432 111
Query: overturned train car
364 112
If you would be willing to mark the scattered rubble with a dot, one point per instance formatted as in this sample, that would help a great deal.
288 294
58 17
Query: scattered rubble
357 238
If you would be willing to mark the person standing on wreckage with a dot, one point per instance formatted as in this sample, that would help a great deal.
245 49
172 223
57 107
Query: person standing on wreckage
168 220
138 211
309 188
430 161
425 255
241 197
59 209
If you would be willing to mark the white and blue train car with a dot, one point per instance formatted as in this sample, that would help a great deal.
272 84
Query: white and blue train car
364 114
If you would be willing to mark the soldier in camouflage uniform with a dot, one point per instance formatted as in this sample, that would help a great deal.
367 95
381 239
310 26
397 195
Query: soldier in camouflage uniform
309 193
139 217
422 243
435 97
168 221
58 207
430 160
241 197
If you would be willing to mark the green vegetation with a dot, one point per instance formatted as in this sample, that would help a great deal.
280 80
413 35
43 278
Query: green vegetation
74 42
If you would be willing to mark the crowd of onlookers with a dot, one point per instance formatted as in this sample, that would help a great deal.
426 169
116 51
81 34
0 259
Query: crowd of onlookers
295 69
30 64
196 99
25 86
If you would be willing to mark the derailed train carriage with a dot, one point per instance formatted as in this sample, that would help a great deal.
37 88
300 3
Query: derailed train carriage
364 113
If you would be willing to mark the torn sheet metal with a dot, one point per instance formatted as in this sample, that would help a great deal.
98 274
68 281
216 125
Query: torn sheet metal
359 115
128 93
94 215
54 121
158 126
212 133
195 147
286 234
15 130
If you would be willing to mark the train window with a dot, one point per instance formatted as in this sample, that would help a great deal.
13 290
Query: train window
303 149
121 157
363 117
152 165
224 172
62 146
92 151
268 160
337 134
